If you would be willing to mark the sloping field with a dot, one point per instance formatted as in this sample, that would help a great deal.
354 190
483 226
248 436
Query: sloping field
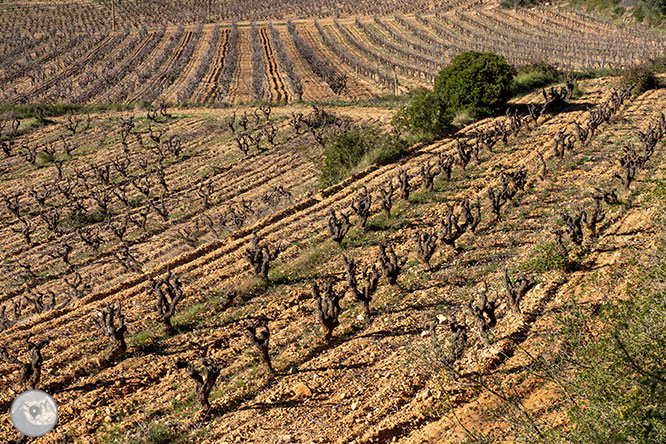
20 17
379 378
343 58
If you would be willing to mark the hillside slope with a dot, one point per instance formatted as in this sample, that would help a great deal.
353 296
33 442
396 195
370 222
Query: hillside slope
380 378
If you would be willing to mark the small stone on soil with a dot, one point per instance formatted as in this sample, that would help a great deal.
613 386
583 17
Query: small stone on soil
301 390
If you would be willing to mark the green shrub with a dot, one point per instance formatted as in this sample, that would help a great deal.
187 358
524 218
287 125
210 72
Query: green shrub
639 14
657 64
424 115
617 354
577 91
593 73
659 6
649 12
533 77
161 434
43 159
644 11
357 147
464 118
642 77
342 153
545 257
595 5
385 150
518 3
620 382
475 81
81 220
474 85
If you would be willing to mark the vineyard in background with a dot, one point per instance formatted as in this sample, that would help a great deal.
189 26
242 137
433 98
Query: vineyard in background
48 59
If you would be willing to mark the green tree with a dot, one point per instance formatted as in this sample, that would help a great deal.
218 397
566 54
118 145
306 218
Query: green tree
476 82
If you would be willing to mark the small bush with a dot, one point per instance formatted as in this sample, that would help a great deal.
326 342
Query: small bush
649 12
617 356
657 64
385 150
81 220
473 86
424 115
595 5
343 152
659 5
464 118
577 91
594 73
518 3
534 76
43 159
620 384
480 82
639 14
161 434
545 257
642 77
358 146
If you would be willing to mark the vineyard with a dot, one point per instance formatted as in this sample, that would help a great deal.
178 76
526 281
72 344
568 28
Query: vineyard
175 273
150 59
217 212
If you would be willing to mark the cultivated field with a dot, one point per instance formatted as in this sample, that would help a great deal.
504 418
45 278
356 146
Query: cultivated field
193 211
296 59
152 238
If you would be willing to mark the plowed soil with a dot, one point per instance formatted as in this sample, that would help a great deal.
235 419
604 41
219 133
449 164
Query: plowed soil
378 379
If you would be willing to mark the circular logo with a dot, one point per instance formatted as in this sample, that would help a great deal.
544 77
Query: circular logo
34 413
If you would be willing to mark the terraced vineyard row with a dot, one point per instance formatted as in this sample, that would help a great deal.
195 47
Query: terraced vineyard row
18 18
147 180
320 59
